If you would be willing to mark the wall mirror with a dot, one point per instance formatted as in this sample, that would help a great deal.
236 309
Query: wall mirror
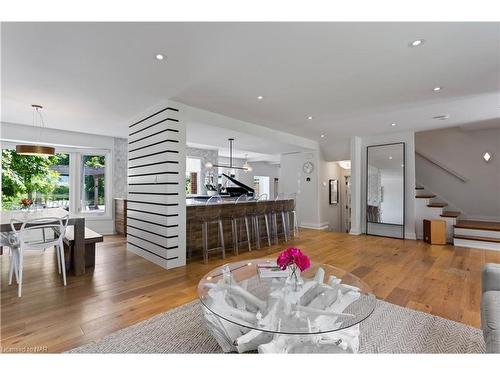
333 195
385 190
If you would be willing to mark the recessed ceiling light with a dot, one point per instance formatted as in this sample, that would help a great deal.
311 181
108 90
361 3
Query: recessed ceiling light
159 56
437 88
390 157
393 124
322 136
441 117
416 43
260 97
309 117
487 157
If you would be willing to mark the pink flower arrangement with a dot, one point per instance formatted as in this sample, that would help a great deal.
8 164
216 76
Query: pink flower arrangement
293 256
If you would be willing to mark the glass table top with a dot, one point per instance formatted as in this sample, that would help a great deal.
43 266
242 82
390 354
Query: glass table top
329 298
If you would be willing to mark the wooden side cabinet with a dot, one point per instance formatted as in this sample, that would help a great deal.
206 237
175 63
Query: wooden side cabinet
435 232
121 216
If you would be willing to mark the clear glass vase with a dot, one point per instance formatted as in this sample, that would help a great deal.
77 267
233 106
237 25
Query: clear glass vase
294 282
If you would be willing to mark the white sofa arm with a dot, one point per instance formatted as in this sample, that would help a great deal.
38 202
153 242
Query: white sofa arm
490 277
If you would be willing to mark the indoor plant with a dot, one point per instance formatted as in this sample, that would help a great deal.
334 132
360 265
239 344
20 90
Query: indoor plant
296 261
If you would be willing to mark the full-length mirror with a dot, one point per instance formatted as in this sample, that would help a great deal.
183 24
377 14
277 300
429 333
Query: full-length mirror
385 190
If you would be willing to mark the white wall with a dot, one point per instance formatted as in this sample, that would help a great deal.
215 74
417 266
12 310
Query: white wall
156 197
462 151
294 180
67 141
358 173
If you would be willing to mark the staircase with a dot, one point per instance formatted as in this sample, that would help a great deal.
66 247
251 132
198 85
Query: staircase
429 207
465 233
477 234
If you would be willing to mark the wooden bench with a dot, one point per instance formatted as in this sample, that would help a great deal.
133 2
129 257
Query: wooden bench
91 238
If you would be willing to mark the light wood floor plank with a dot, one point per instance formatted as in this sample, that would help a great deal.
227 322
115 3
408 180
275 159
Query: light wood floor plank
125 289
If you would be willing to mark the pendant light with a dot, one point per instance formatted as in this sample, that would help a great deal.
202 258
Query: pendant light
36 149
246 167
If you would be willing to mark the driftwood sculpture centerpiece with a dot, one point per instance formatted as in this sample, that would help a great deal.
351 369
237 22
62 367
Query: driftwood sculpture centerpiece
275 307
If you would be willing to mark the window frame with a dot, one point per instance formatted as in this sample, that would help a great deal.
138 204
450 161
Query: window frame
106 214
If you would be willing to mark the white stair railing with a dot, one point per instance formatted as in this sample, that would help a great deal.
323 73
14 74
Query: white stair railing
442 166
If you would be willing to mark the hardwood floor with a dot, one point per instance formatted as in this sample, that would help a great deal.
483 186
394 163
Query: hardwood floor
125 289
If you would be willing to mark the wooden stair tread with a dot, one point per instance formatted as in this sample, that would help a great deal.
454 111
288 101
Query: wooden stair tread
428 196
480 225
439 205
477 238
450 214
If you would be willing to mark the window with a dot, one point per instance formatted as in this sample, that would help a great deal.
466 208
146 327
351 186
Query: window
193 171
93 172
45 181
59 194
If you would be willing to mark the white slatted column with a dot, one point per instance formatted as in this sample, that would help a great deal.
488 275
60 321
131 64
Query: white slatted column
156 210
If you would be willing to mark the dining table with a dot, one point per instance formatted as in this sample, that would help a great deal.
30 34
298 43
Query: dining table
78 223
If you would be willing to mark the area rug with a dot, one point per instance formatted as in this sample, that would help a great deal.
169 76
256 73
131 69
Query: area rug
390 329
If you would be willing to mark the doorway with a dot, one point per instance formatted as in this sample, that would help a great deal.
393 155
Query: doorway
261 185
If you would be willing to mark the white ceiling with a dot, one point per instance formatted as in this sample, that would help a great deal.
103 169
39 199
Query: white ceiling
353 78
245 145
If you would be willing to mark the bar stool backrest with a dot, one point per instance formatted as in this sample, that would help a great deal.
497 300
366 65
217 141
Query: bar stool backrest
214 212
240 206
293 197
262 204
279 202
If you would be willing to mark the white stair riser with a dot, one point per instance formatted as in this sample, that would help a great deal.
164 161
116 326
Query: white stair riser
476 244
477 232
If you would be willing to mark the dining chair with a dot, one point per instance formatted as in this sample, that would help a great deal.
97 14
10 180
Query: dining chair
26 238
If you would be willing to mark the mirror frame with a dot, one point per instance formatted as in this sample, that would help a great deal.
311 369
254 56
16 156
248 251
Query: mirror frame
403 226
333 194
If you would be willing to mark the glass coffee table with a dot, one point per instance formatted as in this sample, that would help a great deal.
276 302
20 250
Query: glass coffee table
247 309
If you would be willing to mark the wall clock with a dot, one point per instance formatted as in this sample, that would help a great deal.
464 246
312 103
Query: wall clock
308 167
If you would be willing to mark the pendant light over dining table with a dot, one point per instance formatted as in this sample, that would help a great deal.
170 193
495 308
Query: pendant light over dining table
36 149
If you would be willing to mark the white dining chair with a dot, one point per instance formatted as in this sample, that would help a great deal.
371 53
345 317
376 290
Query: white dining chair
26 238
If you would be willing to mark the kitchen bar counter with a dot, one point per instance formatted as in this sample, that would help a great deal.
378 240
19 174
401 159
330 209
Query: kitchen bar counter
197 210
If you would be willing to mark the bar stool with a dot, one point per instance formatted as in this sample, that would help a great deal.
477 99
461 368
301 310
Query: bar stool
279 210
212 215
261 211
240 214
291 211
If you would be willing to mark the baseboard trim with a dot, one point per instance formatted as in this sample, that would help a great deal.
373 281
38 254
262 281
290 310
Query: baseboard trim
410 236
320 226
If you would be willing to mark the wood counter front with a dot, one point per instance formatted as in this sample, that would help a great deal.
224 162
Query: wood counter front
196 211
